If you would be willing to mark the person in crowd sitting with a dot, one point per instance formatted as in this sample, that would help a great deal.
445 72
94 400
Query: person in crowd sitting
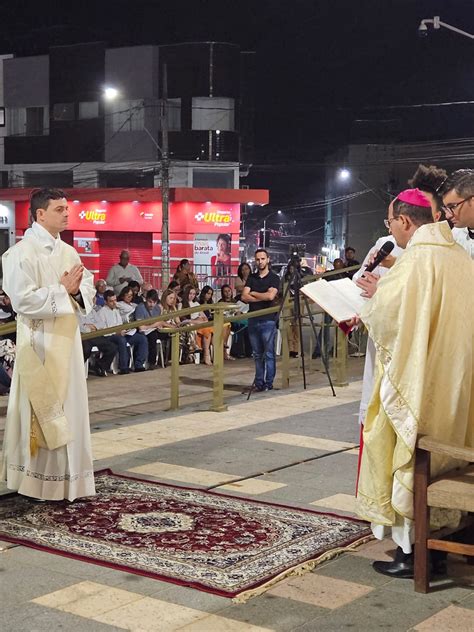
227 296
168 307
100 288
145 288
109 316
243 272
185 276
7 315
150 309
125 304
123 272
135 287
107 347
205 335
189 300
175 287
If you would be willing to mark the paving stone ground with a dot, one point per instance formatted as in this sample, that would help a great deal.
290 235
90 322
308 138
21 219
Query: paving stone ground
290 446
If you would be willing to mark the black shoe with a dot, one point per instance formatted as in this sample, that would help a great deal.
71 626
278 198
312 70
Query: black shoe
268 388
293 354
124 372
152 367
140 369
259 389
315 356
100 372
402 566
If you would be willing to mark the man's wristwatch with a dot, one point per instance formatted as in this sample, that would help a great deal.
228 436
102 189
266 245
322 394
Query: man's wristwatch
77 296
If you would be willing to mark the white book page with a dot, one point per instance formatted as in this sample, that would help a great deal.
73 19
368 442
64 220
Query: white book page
341 299
351 292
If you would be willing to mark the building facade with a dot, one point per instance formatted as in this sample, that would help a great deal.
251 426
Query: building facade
62 131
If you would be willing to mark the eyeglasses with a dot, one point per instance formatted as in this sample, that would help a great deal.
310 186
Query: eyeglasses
387 222
450 208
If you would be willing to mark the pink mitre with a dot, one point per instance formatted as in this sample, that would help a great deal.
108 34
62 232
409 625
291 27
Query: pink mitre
415 197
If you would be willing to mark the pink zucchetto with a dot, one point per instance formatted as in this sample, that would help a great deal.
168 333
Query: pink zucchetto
415 197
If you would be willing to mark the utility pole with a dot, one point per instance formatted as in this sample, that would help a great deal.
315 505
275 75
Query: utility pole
165 181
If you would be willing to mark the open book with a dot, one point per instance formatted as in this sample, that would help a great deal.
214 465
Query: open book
341 299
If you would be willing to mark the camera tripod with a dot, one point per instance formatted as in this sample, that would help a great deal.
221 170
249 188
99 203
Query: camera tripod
295 283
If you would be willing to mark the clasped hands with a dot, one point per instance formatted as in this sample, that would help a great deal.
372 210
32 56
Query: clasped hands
72 280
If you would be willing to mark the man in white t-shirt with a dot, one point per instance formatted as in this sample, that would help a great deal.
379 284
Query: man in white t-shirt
123 272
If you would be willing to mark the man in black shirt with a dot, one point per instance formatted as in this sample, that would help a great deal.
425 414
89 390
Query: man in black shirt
261 291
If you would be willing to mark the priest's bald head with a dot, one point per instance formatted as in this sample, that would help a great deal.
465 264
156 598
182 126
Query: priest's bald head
48 207
408 211
458 198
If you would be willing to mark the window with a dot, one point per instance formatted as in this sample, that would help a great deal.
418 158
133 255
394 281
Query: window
174 115
31 121
2 117
63 112
16 121
88 109
213 178
212 113
34 121
129 116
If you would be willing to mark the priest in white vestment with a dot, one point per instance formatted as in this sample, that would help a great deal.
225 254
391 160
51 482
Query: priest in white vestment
47 449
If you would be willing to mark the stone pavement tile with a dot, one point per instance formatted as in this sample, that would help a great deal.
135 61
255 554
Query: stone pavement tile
468 602
24 557
444 590
302 441
251 487
34 618
339 502
272 612
378 610
190 597
352 569
383 550
190 475
451 619
214 623
320 590
88 599
152 615
24 583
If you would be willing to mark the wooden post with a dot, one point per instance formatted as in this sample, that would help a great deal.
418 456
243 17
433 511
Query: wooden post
218 362
174 371
422 514
285 350
341 358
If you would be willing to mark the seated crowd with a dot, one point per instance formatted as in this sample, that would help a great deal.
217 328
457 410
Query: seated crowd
136 303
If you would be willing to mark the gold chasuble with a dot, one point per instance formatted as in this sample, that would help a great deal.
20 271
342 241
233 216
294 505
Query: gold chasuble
421 320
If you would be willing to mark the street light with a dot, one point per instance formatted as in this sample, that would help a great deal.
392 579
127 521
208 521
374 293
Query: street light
437 24
110 93
264 229
344 174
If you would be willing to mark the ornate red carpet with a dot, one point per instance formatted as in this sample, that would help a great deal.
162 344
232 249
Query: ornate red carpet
220 544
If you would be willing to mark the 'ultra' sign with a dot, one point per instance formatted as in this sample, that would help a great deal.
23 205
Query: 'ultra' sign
221 219
95 216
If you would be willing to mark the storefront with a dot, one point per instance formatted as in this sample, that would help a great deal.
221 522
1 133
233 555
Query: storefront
204 227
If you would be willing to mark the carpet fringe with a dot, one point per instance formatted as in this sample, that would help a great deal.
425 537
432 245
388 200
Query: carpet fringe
300 569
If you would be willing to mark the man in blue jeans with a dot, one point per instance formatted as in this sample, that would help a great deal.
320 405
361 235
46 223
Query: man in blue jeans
109 316
261 291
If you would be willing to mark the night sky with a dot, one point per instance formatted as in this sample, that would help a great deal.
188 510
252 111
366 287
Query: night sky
321 64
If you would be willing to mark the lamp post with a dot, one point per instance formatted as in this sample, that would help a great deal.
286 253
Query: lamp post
436 23
264 229
110 94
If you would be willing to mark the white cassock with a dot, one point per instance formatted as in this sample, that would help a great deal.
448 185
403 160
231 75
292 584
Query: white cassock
462 237
31 274
369 366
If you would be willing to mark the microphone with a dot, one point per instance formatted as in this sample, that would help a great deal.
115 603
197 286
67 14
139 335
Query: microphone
384 251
